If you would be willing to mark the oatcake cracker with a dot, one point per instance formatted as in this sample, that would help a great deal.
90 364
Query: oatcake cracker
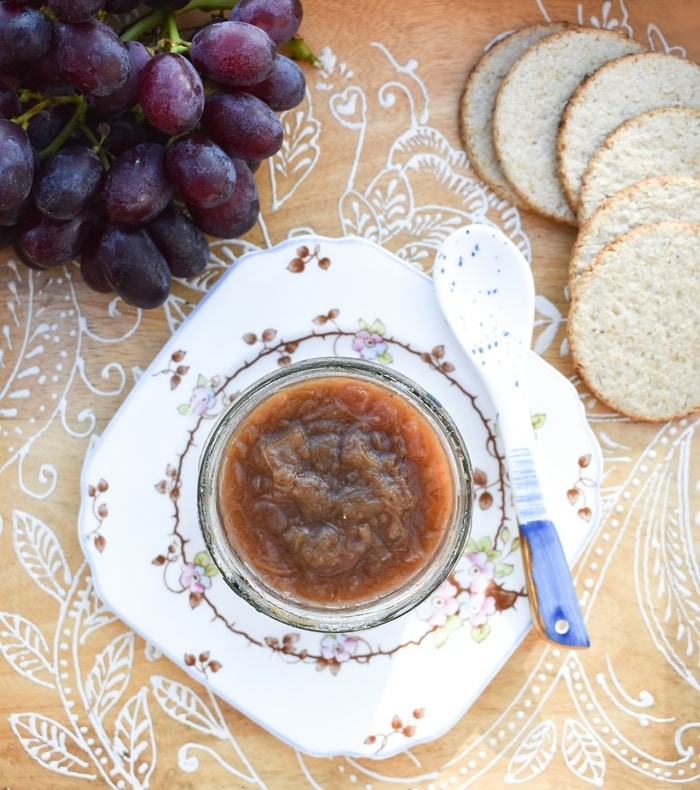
529 104
655 143
613 93
633 322
478 99
656 199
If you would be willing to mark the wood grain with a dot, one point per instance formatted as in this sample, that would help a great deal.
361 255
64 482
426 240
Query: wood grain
46 429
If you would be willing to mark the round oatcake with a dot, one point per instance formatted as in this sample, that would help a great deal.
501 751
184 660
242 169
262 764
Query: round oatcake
478 99
663 142
656 199
616 91
529 104
634 319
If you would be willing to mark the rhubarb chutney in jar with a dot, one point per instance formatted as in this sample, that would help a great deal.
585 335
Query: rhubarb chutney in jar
335 494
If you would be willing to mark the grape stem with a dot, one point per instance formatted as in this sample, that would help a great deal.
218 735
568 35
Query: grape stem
42 102
160 18
76 118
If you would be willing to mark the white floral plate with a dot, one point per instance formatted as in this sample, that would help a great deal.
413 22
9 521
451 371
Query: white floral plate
383 690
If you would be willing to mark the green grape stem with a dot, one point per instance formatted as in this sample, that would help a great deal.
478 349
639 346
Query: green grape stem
42 102
168 19
76 118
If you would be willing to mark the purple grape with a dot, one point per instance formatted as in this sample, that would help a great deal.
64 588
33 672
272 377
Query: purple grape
91 269
200 170
68 182
124 132
17 165
137 187
8 58
243 125
280 19
181 242
23 258
171 93
121 6
9 101
284 88
49 242
8 233
235 216
76 10
46 75
232 53
16 214
127 96
91 56
25 33
133 266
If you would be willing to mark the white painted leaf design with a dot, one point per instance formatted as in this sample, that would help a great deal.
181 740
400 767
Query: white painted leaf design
534 754
25 649
430 225
425 153
508 219
296 159
551 323
40 553
186 707
32 382
95 614
51 745
424 141
358 217
109 675
666 569
391 199
134 740
582 753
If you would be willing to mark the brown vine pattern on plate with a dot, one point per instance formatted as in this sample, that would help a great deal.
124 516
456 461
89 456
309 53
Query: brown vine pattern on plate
100 511
406 728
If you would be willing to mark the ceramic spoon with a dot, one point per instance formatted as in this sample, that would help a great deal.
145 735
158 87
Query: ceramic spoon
486 291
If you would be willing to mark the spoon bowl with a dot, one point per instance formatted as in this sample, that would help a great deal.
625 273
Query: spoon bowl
486 291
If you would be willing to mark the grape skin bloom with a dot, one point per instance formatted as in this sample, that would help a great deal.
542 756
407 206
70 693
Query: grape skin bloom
243 125
134 267
200 170
16 165
280 19
68 182
91 56
171 93
233 53
137 187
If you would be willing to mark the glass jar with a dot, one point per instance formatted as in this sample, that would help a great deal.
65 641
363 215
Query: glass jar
335 494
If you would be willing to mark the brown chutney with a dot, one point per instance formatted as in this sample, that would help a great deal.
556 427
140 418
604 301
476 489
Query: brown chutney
335 490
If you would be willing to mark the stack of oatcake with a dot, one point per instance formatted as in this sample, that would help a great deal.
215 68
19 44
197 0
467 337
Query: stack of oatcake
589 128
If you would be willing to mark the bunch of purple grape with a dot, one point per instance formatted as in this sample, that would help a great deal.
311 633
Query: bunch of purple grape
123 146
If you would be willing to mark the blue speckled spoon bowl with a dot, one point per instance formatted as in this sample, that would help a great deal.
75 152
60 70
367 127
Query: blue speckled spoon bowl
486 291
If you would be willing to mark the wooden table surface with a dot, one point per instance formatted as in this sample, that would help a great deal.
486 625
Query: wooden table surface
625 713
